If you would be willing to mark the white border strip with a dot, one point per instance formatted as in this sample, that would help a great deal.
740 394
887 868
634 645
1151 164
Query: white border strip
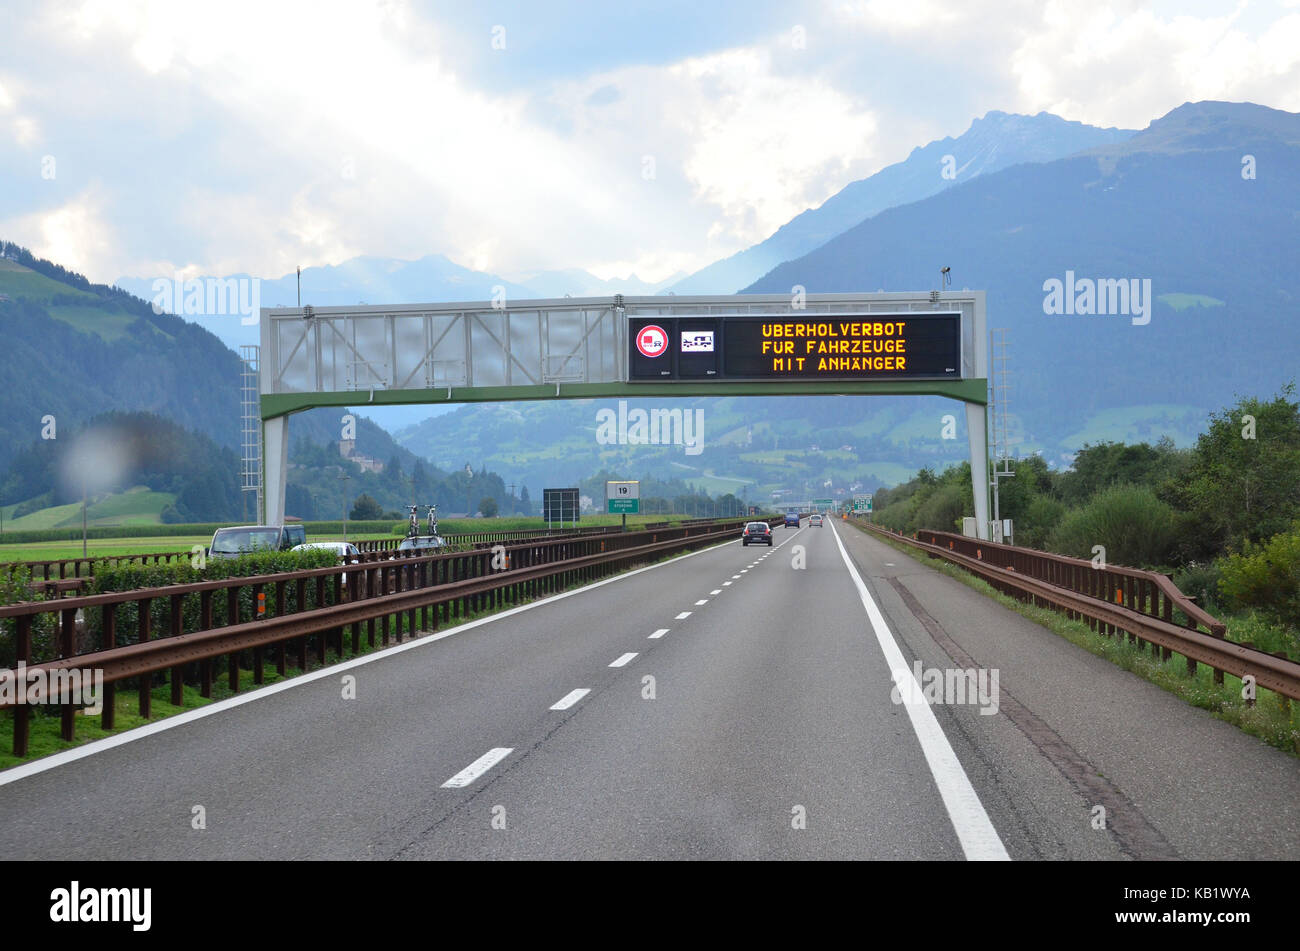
979 840
23 770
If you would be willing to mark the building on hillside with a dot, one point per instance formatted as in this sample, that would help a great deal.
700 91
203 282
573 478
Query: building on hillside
348 450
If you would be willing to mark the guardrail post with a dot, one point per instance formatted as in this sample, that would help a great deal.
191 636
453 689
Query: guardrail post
281 609
320 638
108 718
67 648
232 617
22 712
146 680
177 673
205 624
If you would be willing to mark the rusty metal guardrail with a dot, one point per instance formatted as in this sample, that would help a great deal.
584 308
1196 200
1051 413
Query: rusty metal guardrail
441 587
1114 600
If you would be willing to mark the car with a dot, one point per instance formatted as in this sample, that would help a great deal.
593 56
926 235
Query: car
791 519
815 521
422 544
756 532
346 551
242 539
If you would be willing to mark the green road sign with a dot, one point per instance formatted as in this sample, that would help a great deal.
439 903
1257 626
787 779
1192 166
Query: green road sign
624 506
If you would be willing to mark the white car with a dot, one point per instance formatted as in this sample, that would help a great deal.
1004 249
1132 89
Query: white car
346 551
815 521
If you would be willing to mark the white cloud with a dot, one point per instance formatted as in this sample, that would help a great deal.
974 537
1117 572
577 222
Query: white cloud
248 136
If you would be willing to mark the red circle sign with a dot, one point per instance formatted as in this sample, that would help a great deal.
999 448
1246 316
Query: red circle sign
652 340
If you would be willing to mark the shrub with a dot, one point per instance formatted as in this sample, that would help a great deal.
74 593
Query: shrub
1266 577
1134 526
942 509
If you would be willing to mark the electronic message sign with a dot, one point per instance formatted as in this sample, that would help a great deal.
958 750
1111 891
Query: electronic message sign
825 346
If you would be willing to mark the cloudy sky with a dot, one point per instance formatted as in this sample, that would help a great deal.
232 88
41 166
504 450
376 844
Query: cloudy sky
143 138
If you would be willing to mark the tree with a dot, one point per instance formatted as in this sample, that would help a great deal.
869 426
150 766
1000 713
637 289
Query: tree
1243 480
366 509
525 503
488 506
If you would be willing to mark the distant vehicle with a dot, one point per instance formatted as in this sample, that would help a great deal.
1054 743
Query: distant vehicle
815 521
342 549
346 551
430 540
756 532
243 539
791 519
422 543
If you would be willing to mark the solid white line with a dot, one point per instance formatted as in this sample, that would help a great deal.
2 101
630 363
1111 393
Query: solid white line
701 601
716 591
683 616
477 768
659 633
570 698
975 832
22 771
624 659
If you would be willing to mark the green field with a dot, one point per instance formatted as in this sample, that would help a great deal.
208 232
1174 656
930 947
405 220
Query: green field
136 506
54 550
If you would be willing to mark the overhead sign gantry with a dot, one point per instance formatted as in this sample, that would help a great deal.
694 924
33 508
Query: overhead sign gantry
921 343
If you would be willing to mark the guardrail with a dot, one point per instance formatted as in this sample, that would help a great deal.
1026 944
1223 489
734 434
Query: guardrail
1113 600
273 610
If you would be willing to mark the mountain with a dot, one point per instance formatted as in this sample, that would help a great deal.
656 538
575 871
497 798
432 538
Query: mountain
75 349
1169 205
1174 205
739 445
998 140
579 283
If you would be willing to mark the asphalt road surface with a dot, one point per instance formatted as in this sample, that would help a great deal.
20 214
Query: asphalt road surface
733 703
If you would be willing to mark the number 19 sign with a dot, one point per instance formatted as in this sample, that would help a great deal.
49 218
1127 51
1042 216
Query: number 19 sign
623 498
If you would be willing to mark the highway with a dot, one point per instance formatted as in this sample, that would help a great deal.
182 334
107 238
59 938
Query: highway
733 703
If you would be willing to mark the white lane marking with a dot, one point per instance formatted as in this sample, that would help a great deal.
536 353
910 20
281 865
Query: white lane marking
624 659
725 583
889 564
744 571
570 698
735 577
716 591
682 616
14 773
975 832
477 768
701 601
659 633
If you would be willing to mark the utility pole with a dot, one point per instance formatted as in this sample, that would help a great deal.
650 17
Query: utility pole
998 404
469 490
83 513
344 477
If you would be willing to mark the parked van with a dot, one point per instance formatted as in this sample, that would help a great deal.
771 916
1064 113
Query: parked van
242 539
